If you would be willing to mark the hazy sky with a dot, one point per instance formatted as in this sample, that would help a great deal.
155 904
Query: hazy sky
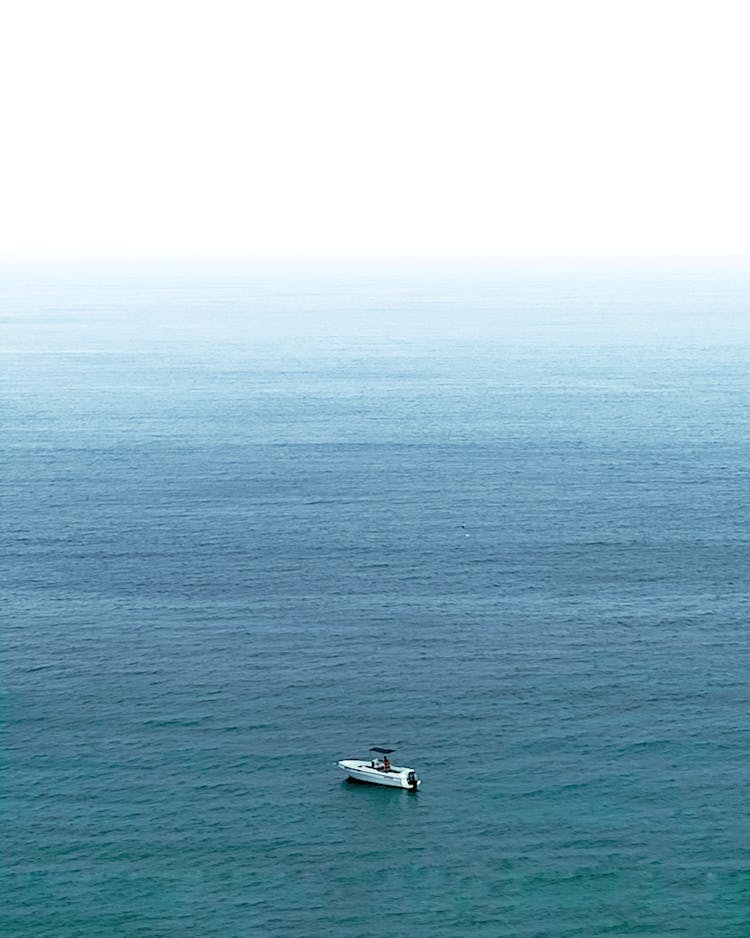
338 127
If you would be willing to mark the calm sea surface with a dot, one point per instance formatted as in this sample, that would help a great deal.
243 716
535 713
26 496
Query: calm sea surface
255 522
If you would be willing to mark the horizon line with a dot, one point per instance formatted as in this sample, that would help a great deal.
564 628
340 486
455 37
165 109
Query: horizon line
372 260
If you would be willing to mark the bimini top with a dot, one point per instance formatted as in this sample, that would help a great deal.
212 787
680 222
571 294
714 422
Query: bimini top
378 749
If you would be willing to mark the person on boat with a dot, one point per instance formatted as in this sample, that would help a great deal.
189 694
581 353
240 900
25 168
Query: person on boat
386 764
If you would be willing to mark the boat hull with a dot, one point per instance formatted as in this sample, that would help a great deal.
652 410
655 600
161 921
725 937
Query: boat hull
396 777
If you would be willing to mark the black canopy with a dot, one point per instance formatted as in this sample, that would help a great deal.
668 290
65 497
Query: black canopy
378 749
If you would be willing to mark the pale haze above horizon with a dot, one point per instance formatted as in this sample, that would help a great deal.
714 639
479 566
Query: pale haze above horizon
397 129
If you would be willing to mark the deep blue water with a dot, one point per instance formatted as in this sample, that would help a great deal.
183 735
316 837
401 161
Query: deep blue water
257 521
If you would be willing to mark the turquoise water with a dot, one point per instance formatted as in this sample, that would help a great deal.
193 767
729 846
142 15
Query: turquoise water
255 522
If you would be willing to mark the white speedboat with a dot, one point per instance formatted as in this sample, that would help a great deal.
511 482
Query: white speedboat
379 771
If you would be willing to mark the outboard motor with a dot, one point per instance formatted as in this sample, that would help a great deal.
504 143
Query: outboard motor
411 778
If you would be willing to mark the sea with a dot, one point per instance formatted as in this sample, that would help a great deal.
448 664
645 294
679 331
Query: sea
259 517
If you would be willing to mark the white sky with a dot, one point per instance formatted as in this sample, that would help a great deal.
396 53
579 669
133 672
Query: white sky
396 128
